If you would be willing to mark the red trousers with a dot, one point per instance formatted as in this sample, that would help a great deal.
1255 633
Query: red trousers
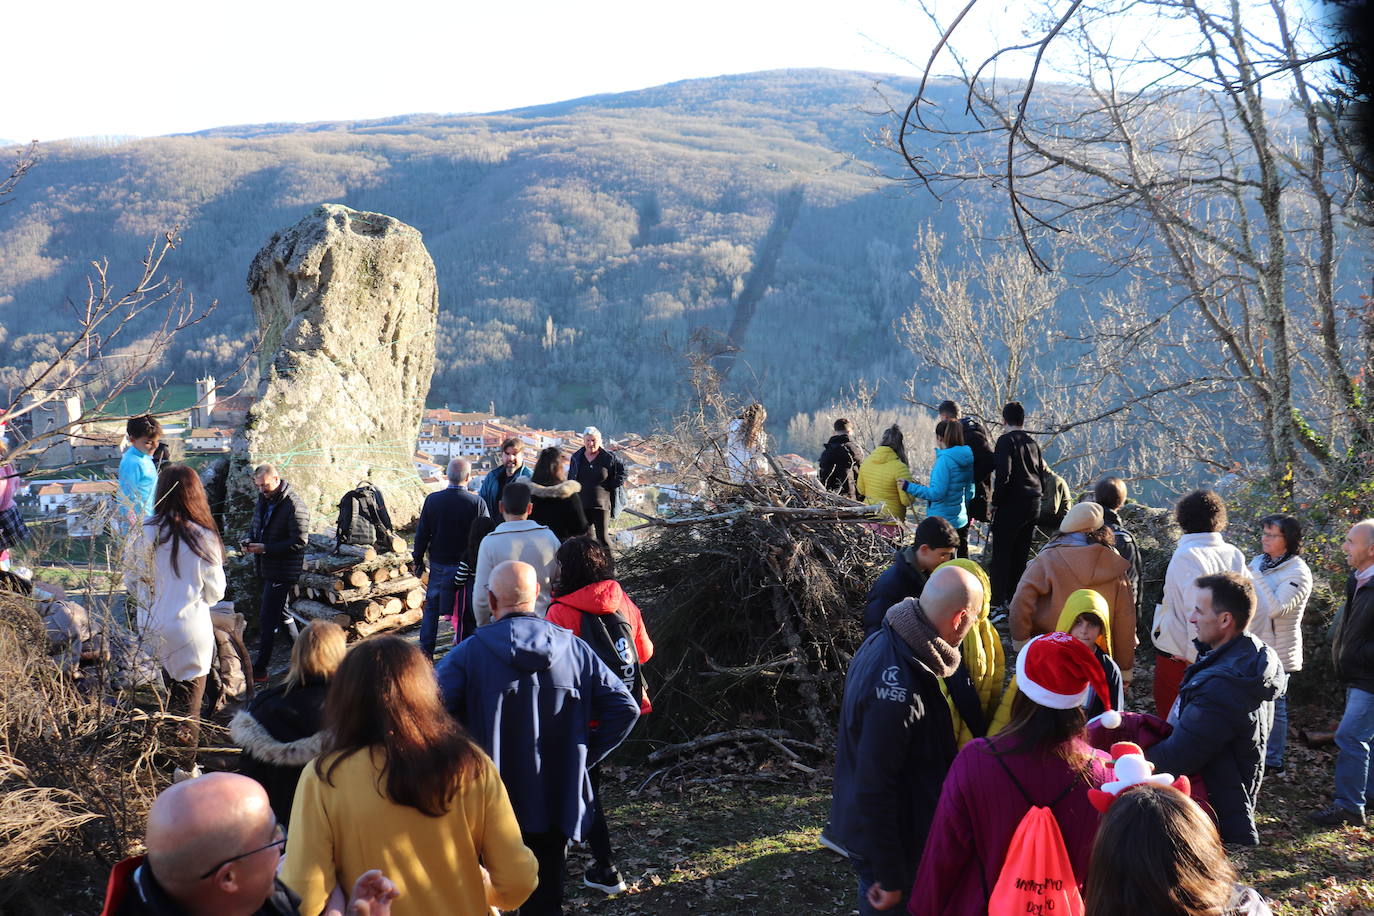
1168 676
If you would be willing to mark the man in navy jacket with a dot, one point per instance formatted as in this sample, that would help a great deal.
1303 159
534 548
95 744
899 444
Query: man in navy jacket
1225 707
896 738
442 533
545 707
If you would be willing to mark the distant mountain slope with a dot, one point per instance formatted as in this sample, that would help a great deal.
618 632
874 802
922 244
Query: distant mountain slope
578 244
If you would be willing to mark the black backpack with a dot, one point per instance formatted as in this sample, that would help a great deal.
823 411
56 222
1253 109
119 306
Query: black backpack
363 519
613 640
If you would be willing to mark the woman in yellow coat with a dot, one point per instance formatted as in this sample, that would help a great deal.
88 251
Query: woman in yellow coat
983 656
880 471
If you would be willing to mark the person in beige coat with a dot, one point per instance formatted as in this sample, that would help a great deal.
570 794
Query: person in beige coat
1080 555
1283 583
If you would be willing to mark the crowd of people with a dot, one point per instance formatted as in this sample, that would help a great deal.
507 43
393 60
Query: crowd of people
373 780
957 803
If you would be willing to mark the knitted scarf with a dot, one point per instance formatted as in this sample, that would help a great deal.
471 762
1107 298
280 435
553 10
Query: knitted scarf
911 624
1269 562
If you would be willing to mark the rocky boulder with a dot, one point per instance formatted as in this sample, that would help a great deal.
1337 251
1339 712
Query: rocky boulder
347 305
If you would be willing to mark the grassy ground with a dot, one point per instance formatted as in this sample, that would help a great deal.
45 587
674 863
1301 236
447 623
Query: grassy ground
752 848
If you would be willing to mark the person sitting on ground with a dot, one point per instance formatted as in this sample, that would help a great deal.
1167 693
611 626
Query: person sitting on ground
1282 583
516 538
951 480
1041 759
879 473
896 738
1080 556
441 538
1225 706
1086 618
546 707
1157 853
557 500
589 601
398 781
279 730
1110 494
213 846
511 468
935 542
1200 552
838 468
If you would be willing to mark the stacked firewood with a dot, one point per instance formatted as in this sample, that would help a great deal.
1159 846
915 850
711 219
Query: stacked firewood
360 589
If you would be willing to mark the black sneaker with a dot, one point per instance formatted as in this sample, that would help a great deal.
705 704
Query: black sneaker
1336 816
604 878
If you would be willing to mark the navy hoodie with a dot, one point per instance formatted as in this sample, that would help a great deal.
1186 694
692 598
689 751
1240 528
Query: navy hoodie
527 691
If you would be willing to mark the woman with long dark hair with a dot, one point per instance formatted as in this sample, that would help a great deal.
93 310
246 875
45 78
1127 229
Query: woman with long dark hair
1157 853
399 786
1042 759
182 546
589 601
556 501
951 480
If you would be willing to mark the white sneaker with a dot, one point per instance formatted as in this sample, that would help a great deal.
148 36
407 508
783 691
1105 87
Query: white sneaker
180 775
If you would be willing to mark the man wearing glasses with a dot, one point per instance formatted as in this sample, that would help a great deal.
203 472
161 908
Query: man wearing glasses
213 848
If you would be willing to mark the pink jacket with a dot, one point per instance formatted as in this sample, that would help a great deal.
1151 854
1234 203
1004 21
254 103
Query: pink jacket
9 486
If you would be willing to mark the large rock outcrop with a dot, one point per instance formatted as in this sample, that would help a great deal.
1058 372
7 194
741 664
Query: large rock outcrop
347 305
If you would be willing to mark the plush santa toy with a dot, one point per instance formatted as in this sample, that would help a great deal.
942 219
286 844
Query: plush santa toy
1132 769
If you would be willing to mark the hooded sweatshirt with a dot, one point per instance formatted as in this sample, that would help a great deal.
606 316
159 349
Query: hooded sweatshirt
1063 568
527 691
951 485
1083 601
602 598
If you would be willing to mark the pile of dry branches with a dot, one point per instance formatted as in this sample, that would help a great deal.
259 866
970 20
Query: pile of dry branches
752 602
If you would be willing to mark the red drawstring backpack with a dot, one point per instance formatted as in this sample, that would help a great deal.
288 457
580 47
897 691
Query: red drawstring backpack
1037 877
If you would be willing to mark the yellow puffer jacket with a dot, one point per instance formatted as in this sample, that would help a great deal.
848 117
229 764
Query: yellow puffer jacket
878 476
983 656
1083 601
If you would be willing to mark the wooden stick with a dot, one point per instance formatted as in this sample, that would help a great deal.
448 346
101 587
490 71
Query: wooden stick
696 744
844 513
317 611
391 587
391 622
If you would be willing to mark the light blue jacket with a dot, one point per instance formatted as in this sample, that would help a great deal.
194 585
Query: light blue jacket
137 482
951 485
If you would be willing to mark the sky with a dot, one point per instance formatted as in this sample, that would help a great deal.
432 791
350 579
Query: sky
149 67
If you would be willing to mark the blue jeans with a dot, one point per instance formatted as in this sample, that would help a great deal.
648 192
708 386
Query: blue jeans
1354 775
438 603
1278 735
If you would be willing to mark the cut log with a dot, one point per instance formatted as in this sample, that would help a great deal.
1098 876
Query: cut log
327 544
317 611
414 598
371 611
394 573
390 622
391 587
320 582
398 544
381 574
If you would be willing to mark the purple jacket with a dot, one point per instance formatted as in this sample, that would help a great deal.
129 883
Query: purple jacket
980 808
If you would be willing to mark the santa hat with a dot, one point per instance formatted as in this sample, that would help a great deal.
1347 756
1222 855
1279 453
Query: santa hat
1057 671
1132 769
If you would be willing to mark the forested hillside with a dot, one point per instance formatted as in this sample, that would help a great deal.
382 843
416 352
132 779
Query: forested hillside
579 245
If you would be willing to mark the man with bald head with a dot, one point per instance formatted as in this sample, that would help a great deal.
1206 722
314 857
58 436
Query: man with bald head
213 848
441 537
896 738
1352 650
545 707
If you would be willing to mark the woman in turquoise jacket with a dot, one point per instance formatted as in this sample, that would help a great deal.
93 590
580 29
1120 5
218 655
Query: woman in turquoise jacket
951 480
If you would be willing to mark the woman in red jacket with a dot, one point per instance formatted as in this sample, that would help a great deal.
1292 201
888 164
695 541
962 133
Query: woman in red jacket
588 601
1041 758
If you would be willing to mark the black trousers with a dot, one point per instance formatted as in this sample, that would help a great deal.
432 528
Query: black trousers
270 612
599 520
1013 526
599 836
550 850
962 552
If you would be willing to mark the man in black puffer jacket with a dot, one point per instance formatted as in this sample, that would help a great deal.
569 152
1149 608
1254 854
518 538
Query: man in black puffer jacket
277 540
1225 707
838 468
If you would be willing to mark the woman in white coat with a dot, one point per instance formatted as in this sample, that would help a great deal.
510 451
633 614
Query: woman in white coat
187 559
1283 583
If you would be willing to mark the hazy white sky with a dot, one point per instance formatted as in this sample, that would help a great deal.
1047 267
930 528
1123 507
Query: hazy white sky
143 67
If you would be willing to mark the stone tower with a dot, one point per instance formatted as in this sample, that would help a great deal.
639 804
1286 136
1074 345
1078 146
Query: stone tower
205 403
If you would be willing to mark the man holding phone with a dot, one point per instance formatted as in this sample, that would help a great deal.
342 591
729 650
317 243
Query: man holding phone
276 540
